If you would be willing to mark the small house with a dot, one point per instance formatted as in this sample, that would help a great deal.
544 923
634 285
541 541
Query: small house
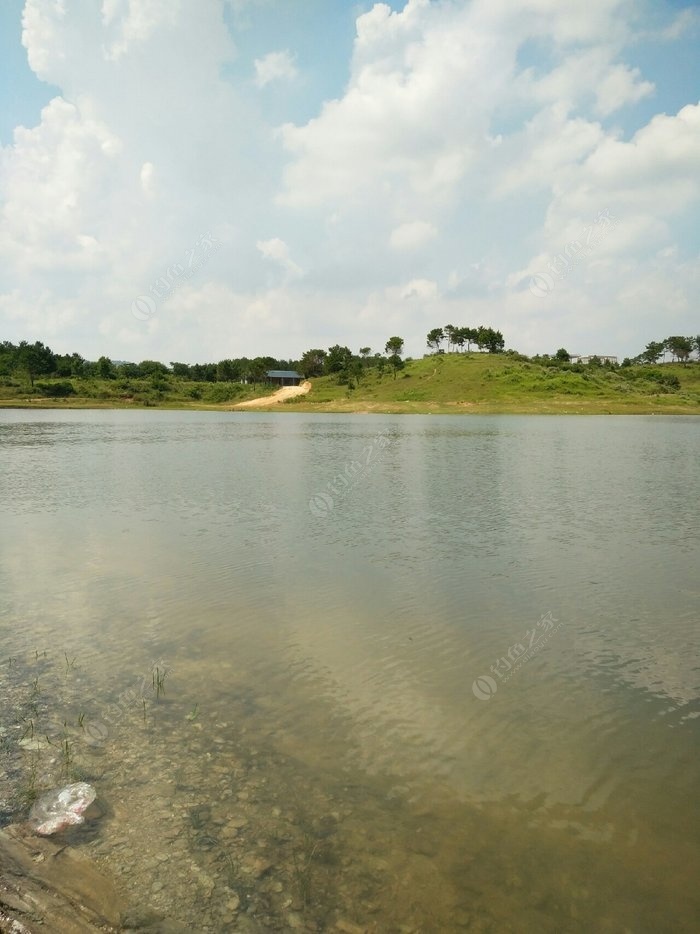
283 377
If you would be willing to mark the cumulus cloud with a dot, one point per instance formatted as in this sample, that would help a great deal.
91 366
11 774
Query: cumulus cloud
471 144
275 66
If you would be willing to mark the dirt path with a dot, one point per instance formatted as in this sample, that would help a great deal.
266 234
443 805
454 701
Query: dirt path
286 392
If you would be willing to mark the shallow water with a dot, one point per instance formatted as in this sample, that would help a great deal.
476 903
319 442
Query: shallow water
334 744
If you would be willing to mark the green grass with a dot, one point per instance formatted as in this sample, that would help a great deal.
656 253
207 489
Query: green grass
440 384
160 392
501 383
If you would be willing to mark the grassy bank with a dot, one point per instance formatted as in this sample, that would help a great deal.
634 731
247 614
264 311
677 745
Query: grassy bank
441 384
498 383
164 392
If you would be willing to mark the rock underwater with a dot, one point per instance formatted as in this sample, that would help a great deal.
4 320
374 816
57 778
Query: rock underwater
61 808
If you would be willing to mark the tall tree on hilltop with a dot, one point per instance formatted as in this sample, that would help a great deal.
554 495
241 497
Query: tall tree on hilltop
435 338
653 351
680 347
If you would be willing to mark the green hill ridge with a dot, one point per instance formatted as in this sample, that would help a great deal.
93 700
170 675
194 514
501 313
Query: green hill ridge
439 383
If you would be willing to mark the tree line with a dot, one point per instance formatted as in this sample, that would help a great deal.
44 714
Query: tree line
678 346
37 359
348 367
456 337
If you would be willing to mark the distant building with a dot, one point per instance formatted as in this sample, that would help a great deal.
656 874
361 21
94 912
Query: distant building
604 358
283 377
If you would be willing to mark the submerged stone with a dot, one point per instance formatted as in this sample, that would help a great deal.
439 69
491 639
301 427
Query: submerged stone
61 808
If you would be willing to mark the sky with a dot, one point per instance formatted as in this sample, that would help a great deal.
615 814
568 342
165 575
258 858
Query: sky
194 181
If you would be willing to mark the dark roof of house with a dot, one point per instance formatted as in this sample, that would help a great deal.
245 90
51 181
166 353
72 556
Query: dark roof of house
284 374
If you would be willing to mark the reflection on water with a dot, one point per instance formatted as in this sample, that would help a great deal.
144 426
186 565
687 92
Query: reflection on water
320 758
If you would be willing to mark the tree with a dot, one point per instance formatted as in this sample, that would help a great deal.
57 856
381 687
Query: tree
338 359
312 362
34 359
490 340
394 347
364 353
77 365
151 367
8 357
357 370
679 347
257 370
396 363
435 338
449 330
653 351
130 370
105 368
563 355
228 371
462 336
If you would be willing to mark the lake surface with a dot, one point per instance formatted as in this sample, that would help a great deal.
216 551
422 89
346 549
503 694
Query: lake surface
362 673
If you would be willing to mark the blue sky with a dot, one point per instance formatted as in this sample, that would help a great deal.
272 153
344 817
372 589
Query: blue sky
234 177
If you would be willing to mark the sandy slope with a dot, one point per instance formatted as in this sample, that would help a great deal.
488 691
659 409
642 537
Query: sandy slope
286 392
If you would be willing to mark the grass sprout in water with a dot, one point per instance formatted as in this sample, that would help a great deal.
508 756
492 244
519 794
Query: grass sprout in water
159 682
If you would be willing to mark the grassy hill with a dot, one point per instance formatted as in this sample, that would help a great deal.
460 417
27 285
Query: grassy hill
492 383
445 383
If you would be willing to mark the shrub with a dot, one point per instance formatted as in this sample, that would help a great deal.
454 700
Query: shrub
222 392
55 390
667 381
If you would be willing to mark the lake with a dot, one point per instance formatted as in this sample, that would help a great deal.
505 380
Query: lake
361 673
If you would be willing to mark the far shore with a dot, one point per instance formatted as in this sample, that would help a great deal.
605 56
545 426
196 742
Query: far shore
454 384
363 407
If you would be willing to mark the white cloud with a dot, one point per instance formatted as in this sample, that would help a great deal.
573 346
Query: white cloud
147 177
589 73
275 66
686 23
278 251
412 235
620 86
418 288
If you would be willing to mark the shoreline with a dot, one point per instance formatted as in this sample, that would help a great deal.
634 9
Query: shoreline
366 407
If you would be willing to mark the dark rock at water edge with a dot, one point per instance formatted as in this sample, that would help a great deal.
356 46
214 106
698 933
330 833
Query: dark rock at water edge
46 886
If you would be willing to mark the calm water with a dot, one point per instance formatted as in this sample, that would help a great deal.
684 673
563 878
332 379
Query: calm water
421 674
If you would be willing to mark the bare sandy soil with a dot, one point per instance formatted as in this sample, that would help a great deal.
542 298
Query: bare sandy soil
286 392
